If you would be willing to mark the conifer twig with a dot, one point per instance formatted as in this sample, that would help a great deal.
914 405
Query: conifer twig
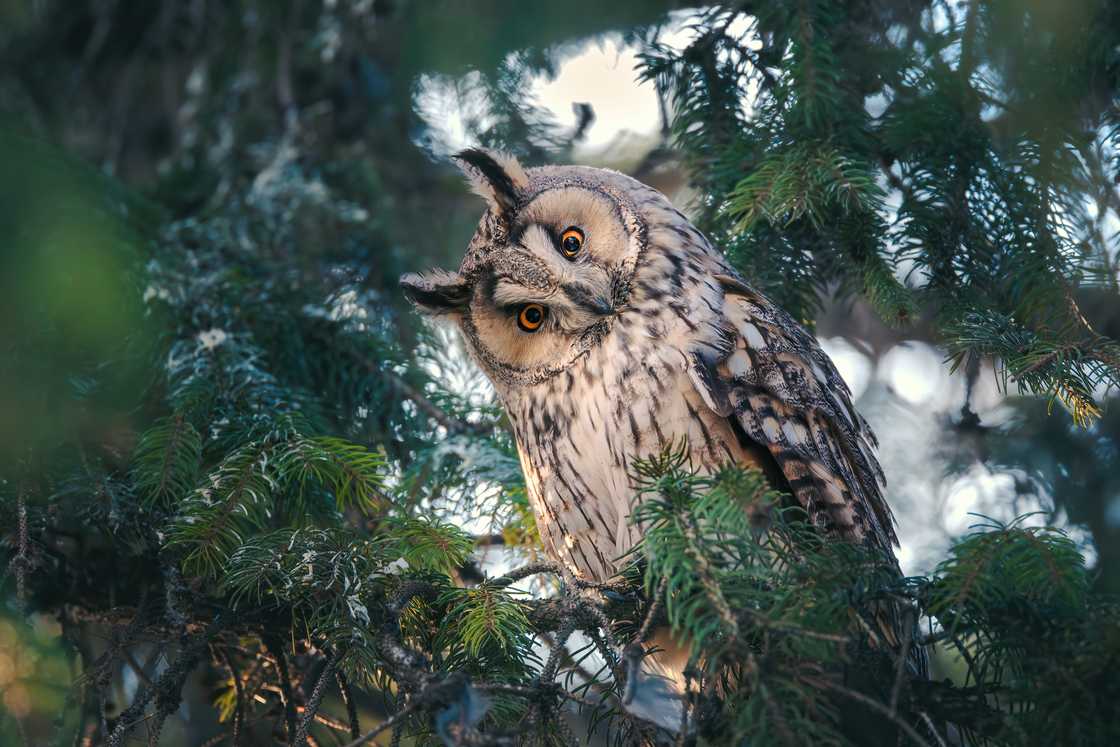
283 676
635 652
877 706
348 701
900 665
315 700
168 688
548 671
388 723
654 610
432 410
239 708
21 562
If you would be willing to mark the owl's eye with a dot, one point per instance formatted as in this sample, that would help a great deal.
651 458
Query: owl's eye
531 317
571 241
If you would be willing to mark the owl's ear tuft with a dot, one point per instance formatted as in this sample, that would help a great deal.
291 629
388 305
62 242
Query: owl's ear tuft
496 177
437 292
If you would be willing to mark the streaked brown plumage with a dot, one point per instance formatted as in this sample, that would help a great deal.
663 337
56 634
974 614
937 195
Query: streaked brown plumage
650 336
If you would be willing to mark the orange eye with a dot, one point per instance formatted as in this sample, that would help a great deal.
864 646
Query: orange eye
531 317
571 241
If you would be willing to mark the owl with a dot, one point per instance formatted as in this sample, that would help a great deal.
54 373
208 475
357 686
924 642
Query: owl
611 328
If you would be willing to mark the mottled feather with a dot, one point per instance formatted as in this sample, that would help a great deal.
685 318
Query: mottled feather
785 393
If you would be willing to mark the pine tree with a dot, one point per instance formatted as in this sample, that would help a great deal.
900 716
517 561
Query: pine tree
228 451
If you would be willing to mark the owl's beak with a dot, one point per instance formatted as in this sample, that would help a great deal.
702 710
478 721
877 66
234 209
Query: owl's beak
588 300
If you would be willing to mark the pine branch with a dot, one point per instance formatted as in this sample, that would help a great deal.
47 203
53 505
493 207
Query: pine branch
167 456
429 408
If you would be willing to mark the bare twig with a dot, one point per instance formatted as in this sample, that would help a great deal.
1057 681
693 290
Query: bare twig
286 696
654 611
903 655
239 711
351 706
327 720
22 561
635 652
968 40
531 692
932 729
316 700
136 667
168 688
524 572
100 672
762 621
906 728
432 410
389 723
548 672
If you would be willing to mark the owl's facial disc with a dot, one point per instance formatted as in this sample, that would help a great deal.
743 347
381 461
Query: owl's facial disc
549 268
576 290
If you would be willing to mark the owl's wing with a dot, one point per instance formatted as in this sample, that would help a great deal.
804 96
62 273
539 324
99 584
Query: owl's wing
769 376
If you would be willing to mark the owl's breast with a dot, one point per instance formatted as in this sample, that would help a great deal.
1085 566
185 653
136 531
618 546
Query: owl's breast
579 433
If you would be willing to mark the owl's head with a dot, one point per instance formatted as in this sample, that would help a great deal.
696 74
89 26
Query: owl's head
547 271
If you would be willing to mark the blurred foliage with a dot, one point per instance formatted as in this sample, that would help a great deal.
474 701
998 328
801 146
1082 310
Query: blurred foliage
1077 466
231 467
69 301
34 674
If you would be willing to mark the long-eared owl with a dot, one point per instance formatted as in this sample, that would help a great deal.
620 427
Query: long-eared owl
610 327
